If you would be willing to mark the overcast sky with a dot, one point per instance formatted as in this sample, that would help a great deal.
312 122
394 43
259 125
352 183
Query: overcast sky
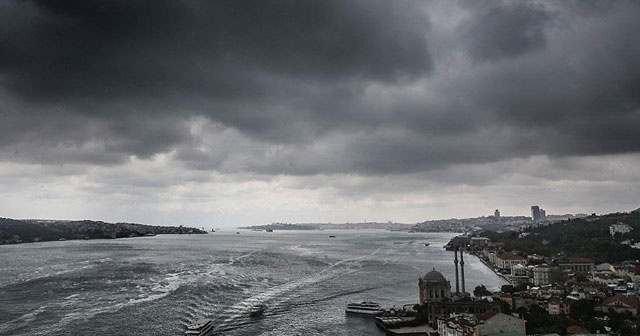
228 113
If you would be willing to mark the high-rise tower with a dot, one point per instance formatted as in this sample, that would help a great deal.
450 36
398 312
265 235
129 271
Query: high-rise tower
535 213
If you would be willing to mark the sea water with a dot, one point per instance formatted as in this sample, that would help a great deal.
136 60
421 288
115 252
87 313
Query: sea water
159 285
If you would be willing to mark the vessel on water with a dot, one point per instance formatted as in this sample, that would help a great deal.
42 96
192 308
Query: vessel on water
203 327
426 244
257 310
365 308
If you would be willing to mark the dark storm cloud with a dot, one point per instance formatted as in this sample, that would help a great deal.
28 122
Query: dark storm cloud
313 87
506 31
124 67
581 97
111 49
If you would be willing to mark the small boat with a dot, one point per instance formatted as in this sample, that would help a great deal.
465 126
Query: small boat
332 236
203 327
269 230
257 310
426 244
364 308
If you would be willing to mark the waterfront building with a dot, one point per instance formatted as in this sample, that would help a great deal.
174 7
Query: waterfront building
480 242
438 301
508 260
496 213
434 287
519 275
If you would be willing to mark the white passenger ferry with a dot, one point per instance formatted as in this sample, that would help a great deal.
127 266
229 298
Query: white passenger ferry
203 327
365 307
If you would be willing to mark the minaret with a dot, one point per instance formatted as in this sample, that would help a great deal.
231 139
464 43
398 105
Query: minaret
455 262
462 269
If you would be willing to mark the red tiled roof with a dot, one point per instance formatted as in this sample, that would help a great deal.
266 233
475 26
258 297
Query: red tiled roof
511 257
577 260
629 301
487 315
577 330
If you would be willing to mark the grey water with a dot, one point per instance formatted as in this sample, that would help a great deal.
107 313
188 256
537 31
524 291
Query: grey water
159 285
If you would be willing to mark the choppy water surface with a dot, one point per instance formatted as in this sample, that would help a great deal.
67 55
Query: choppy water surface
158 285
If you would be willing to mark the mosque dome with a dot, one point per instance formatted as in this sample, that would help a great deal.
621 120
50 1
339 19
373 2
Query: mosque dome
434 276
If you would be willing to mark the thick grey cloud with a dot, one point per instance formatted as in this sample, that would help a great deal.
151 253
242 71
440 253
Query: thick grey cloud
350 84
148 49
258 66
506 31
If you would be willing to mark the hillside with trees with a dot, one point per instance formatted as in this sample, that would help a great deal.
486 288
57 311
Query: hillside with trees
588 237
13 231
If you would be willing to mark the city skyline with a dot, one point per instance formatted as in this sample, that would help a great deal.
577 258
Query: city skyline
248 112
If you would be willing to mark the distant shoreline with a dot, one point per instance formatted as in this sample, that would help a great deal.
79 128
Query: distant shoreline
16 231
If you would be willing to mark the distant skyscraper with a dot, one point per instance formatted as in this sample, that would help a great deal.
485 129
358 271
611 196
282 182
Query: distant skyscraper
543 214
535 213
496 213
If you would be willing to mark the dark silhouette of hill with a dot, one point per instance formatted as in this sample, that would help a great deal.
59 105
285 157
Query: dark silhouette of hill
14 231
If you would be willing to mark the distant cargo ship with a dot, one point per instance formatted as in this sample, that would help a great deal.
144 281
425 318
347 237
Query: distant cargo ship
365 308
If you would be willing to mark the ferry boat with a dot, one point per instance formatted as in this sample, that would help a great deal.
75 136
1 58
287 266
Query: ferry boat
365 307
203 327
257 310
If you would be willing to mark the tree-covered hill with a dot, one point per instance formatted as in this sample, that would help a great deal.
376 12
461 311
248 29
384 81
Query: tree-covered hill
585 237
25 231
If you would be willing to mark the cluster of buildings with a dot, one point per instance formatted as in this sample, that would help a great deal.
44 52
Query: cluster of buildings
495 222
555 284
451 313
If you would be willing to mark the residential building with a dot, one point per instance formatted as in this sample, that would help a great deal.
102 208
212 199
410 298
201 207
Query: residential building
620 228
489 323
480 242
621 303
507 260
457 325
541 275
557 306
492 323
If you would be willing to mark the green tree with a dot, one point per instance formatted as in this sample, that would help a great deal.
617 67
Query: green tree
481 291
557 276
